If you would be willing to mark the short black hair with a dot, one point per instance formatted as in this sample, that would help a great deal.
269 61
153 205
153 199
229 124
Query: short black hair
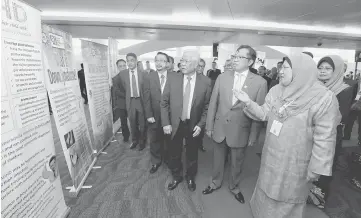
131 55
81 65
52 158
120 61
281 62
263 67
147 62
251 52
162 53
308 53
214 62
179 64
201 60
171 59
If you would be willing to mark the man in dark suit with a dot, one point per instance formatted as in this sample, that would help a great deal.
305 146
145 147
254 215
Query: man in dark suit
200 71
81 77
213 73
154 85
132 81
119 99
183 111
228 125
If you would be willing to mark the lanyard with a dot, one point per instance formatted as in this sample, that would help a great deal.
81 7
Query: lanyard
285 106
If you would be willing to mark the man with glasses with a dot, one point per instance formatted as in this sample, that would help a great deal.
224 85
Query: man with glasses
154 85
183 113
228 125
132 81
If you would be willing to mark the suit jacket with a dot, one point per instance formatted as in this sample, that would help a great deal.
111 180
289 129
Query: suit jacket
228 121
118 93
152 95
172 102
125 83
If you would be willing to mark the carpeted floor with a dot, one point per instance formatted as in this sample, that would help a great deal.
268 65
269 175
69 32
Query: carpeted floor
123 187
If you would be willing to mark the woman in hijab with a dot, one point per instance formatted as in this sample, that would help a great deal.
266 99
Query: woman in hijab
331 73
302 117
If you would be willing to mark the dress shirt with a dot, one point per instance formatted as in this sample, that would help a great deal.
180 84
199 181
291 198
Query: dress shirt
193 84
160 79
136 80
239 79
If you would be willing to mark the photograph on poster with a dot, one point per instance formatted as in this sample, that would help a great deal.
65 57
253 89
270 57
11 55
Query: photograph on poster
69 139
50 171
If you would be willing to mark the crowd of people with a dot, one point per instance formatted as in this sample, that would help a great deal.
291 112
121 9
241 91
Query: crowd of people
309 108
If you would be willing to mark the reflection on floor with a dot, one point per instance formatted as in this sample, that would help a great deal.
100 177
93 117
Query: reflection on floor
123 187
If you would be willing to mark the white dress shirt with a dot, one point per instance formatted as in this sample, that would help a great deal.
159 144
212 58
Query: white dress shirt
160 79
239 79
130 80
193 84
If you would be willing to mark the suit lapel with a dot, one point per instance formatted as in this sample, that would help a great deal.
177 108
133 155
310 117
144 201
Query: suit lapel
155 77
228 87
197 89
127 85
246 86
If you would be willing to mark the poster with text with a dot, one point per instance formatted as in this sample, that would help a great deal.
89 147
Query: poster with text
64 92
113 72
30 182
95 60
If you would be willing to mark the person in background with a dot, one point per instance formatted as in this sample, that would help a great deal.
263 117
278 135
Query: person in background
262 72
179 71
81 77
119 99
228 126
200 71
140 66
154 85
275 79
132 80
170 64
330 73
213 73
228 66
293 156
184 109
308 53
147 67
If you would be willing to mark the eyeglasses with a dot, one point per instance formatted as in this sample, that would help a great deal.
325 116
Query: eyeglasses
284 68
185 61
235 57
160 61
325 68
201 66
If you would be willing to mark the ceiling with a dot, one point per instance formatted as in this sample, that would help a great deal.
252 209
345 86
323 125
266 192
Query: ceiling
206 21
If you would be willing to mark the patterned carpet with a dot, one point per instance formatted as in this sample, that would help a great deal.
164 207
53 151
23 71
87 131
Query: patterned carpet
123 187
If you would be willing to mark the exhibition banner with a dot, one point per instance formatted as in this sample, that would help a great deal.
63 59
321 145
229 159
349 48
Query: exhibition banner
260 60
113 72
67 104
30 183
95 61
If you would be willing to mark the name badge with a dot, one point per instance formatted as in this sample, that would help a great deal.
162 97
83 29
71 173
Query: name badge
276 128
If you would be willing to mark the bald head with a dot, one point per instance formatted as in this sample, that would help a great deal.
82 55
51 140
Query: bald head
189 61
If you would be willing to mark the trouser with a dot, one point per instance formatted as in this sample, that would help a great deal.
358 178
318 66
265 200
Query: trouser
325 181
185 131
349 124
124 123
237 158
84 94
158 142
137 122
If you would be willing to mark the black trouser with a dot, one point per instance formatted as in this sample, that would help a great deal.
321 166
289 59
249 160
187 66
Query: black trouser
158 142
84 93
137 122
325 181
175 152
124 122
349 124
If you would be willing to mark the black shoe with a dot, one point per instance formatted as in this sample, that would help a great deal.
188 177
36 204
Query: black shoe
191 185
126 140
154 168
174 184
133 145
239 197
141 147
208 190
202 148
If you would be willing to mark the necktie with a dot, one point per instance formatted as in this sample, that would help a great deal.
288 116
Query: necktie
186 98
162 80
134 85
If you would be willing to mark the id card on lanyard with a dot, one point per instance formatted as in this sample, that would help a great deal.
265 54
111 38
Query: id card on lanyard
277 125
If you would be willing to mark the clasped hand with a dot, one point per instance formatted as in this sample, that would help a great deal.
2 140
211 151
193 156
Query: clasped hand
242 96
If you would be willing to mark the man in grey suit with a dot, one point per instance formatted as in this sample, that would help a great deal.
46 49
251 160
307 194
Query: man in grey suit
227 124
183 112
132 81
154 85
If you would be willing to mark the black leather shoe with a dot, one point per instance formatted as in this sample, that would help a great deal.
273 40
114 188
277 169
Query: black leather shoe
239 197
133 145
174 184
154 168
208 190
202 148
191 185
141 147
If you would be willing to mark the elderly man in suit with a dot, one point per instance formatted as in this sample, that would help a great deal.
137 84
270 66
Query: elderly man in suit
154 85
132 83
184 110
228 125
